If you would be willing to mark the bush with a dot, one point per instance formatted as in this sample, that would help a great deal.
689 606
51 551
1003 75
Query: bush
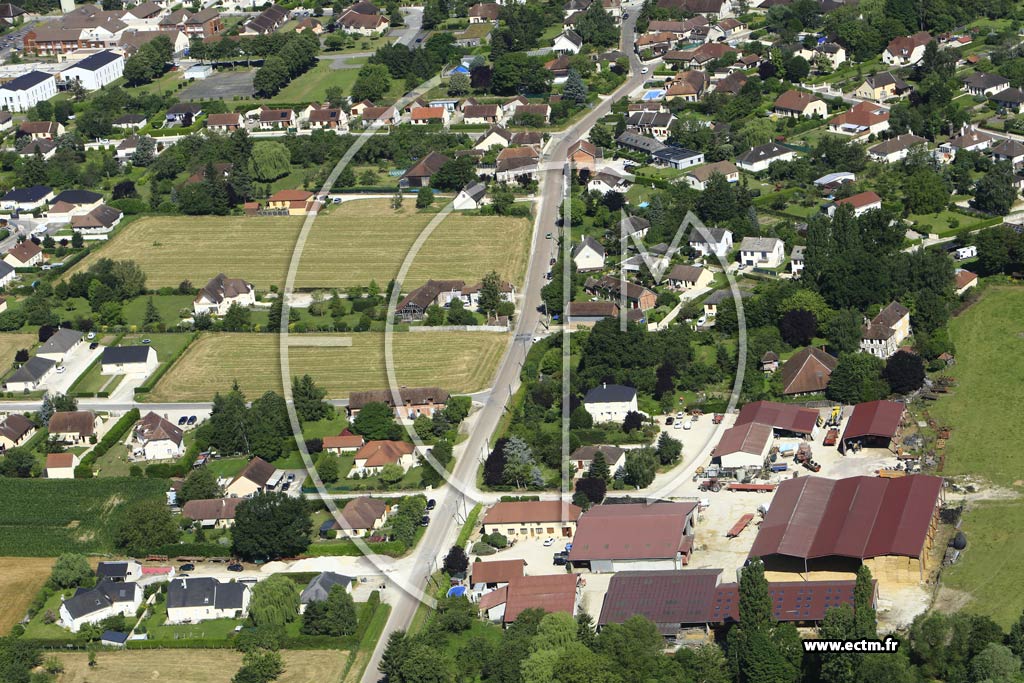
496 540
483 549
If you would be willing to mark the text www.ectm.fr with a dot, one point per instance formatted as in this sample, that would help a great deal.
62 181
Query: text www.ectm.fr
864 645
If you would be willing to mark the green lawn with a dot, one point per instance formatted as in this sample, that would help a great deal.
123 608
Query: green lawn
312 85
38 628
92 381
227 467
212 628
114 463
169 308
322 428
984 410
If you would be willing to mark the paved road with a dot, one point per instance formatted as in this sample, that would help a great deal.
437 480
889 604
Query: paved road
413 26
452 503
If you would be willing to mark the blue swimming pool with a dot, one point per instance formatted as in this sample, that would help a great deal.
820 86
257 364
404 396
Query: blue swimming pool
653 95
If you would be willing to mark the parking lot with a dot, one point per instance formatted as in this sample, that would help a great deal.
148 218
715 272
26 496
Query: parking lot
220 86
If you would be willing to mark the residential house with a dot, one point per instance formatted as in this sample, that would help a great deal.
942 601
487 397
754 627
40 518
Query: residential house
73 427
60 344
689 277
517 164
711 242
964 280
257 476
495 136
588 255
731 84
366 25
487 576
360 517
419 174
266 22
157 438
532 519
769 362
93 605
215 513
124 571
24 255
101 220
15 430
30 375
61 465
221 292
567 43
608 180
422 116
762 252
698 178
799 104
40 130
482 114
42 148
319 588
414 401
981 84
587 313
861 203
7 276
688 86
1009 150
26 198
130 122
470 294
862 119
541 113
969 139
807 372
906 50
440 292
895 149
655 124
639 143
326 118
882 335
630 294
761 157
95 71
678 158
796 260
583 457
381 116
205 24
610 402
294 202
559 68
375 455
195 599
275 119
484 13
470 197
881 87
346 442
554 593
123 360
584 155
1010 100
24 92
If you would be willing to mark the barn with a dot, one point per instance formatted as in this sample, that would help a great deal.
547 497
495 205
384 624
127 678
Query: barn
876 424
634 536
785 419
822 529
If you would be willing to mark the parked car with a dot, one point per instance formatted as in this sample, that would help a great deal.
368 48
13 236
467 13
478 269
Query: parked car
61 369
187 567
644 70
285 486
191 420
424 520
93 346
235 567
669 420
560 559
291 476
548 542
431 504
182 420
146 341
90 336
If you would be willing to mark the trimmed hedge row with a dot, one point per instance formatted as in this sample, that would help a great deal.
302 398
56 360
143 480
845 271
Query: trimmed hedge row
114 436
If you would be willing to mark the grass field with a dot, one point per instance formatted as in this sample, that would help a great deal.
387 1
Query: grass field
20 580
312 85
356 242
984 409
93 380
195 666
458 361
10 342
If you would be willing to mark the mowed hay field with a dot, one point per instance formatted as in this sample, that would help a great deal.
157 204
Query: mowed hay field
355 243
984 409
10 342
20 580
195 666
367 240
458 361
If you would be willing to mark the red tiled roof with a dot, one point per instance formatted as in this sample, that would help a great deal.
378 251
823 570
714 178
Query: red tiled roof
532 511
860 199
858 517
631 531
60 460
497 571
877 418
551 593
784 416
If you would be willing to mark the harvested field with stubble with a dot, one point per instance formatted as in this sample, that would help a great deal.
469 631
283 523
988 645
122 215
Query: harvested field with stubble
458 361
195 666
354 243
10 343
20 580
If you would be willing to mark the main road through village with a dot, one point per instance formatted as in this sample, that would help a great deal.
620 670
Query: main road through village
454 501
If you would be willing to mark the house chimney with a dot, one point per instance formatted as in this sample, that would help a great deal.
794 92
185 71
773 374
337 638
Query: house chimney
604 385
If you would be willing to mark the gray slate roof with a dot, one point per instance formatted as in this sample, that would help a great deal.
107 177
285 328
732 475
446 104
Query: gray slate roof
610 393
321 585
202 591
61 342
32 370
116 355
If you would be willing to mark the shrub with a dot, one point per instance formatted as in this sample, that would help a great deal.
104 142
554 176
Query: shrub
482 548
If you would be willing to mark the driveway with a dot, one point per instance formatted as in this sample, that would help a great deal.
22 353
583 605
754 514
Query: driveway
77 362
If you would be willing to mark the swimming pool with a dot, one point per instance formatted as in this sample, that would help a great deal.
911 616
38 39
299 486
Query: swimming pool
653 95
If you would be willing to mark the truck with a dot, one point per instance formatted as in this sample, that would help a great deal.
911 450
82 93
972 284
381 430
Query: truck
831 438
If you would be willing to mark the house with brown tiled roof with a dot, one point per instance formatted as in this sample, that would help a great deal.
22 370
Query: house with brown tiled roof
906 50
361 516
225 123
415 401
862 119
419 174
41 130
532 519
799 104
861 203
222 292
61 465
346 442
73 427
295 202
157 438
275 119
257 476
15 430
882 335
480 114
363 24
218 513
374 456
964 280
807 372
